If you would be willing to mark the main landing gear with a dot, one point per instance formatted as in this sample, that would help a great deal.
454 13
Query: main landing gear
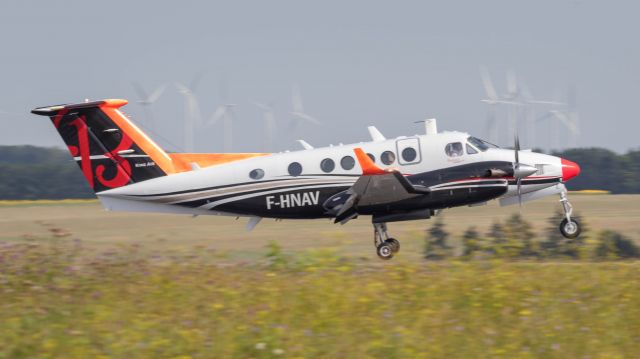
386 247
569 227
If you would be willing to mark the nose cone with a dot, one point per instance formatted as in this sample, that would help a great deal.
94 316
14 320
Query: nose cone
569 169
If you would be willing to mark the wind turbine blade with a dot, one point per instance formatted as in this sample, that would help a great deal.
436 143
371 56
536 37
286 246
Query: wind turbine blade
142 94
305 117
488 84
217 114
296 99
157 93
512 84
195 81
182 88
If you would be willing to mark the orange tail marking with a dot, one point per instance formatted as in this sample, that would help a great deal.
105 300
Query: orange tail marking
367 165
182 161
111 109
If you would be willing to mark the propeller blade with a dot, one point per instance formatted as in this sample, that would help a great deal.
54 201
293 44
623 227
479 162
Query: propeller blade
517 149
519 183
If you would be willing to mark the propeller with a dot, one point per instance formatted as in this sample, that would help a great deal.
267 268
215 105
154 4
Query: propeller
520 170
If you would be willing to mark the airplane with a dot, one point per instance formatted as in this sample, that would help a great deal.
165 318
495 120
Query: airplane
391 180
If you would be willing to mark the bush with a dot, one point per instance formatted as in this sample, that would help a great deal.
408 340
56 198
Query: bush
614 245
436 246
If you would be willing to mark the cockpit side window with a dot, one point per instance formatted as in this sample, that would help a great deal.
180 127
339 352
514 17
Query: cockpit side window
480 144
454 149
471 150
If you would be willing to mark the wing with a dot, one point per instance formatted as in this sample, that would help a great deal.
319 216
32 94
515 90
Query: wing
376 187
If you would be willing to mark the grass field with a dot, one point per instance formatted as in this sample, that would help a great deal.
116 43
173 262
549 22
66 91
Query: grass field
78 282
100 229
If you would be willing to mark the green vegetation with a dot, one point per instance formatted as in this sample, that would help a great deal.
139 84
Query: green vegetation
60 300
515 239
28 172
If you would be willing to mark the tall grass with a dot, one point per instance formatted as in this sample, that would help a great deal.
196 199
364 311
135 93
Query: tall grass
57 300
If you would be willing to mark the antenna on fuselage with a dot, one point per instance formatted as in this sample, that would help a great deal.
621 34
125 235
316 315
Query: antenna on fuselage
430 126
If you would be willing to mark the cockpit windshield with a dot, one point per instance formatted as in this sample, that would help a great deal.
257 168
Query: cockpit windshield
480 144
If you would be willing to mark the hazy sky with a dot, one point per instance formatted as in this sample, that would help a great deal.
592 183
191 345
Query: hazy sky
357 62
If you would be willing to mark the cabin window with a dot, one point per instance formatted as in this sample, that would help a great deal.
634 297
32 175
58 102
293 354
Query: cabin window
347 162
327 165
471 150
373 158
454 149
409 154
256 174
295 169
388 157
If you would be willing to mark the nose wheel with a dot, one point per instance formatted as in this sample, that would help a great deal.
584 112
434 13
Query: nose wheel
386 246
569 227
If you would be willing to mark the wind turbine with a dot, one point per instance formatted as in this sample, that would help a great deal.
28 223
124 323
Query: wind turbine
192 115
269 121
146 101
224 113
567 115
493 100
297 113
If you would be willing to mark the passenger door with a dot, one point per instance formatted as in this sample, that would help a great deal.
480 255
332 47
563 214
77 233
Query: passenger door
408 150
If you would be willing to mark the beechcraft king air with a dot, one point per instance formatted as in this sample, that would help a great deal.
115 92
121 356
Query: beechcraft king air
400 179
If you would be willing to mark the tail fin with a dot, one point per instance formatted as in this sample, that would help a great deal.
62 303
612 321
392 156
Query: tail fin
110 150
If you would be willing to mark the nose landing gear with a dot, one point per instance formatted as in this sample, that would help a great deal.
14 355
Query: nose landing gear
569 227
386 247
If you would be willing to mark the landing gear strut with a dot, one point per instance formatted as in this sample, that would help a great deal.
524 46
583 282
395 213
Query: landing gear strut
569 227
386 247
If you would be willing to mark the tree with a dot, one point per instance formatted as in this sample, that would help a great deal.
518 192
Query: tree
436 246
471 242
614 245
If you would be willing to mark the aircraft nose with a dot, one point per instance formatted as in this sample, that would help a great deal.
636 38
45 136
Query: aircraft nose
569 169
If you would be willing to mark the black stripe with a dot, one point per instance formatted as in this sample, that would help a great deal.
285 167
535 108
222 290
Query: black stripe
203 201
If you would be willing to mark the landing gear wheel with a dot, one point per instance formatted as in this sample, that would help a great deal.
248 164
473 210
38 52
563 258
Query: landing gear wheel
385 251
570 228
394 243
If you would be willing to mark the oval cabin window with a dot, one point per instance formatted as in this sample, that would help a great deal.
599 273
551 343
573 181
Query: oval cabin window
295 169
387 157
327 165
409 154
347 162
256 174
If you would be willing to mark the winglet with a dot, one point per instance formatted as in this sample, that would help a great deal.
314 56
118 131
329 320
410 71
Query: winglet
367 165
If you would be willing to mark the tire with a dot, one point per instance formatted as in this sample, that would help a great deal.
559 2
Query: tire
570 229
394 243
385 251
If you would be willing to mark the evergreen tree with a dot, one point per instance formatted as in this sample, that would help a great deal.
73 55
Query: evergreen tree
471 242
614 245
436 246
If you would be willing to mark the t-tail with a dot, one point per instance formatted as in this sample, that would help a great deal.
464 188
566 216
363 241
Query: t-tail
110 150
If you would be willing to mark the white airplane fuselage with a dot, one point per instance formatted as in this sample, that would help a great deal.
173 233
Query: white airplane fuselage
228 189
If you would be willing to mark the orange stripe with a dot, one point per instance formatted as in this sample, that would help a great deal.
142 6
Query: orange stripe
110 108
182 161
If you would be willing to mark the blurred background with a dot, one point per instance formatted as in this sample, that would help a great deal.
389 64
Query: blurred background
353 63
